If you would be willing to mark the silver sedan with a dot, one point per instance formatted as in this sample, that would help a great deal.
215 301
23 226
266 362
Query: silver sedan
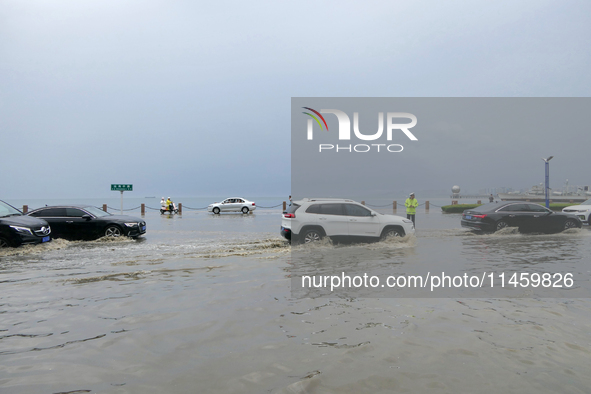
234 204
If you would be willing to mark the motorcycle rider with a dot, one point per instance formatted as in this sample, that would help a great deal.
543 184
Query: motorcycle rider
170 205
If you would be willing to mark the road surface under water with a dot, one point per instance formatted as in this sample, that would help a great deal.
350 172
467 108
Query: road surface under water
203 303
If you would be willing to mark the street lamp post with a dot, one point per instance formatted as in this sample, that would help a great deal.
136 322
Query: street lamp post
547 188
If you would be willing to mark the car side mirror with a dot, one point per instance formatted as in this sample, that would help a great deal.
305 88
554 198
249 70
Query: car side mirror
373 214
87 217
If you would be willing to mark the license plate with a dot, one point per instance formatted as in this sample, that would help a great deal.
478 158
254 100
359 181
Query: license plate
143 228
468 217
45 239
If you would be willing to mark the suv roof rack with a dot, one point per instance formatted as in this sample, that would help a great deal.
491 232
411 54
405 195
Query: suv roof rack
327 199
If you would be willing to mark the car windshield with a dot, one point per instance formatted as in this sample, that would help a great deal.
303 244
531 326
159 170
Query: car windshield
294 207
96 212
8 210
588 202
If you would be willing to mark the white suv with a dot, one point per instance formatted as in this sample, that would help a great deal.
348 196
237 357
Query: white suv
583 211
311 219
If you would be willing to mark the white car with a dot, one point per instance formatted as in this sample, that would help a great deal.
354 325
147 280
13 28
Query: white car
310 220
582 211
234 204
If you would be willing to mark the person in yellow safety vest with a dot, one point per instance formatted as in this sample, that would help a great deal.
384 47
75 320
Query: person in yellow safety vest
411 205
169 205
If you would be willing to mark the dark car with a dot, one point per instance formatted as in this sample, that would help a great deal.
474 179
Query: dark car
88 222
17 229
528 217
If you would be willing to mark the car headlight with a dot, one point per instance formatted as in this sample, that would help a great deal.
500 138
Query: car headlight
131 224
583 210
407 221
22 230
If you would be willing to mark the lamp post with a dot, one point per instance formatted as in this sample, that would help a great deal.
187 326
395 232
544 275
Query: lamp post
547 161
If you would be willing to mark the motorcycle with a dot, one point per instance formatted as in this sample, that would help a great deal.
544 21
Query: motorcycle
166 209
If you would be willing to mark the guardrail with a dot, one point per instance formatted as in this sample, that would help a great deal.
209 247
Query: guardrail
143 207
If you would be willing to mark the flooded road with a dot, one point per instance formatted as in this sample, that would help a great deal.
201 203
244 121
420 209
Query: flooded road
204 303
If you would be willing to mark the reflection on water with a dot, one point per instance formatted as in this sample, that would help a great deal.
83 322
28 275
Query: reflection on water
203 303
449 252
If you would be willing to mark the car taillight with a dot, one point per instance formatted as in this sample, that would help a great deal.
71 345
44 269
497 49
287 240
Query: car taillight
253 204
479 216
289 215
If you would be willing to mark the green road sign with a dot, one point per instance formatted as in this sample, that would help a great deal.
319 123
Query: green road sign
122 188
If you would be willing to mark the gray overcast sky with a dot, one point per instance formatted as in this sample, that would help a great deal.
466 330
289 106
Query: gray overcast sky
192 98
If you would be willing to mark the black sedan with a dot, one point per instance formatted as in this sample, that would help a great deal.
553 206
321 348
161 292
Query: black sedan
88 222
17 229
528 217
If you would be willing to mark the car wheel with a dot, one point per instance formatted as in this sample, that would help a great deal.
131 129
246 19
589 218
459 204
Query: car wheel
391 232
245 210
570 224
501 224
216 210
113 231
312 236
4 243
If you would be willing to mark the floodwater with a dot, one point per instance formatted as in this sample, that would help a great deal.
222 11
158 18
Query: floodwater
204 304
